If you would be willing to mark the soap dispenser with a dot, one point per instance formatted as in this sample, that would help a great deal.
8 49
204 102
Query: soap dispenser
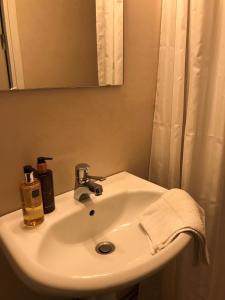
46 179
31 199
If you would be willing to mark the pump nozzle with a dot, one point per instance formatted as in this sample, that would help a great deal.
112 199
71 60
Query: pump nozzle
41 164
42 159
28 173
27 169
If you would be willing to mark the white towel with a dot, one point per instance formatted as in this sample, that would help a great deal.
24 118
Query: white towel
175 212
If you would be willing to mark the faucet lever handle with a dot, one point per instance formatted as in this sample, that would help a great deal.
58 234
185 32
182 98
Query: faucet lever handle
100 178
81 172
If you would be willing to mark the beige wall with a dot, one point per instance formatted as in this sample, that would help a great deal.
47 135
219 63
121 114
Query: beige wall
109 128
58 42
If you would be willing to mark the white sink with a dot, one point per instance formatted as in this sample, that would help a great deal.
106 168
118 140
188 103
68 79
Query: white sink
59 256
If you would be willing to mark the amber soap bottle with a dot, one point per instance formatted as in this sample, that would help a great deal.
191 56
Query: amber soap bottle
31 199
45 177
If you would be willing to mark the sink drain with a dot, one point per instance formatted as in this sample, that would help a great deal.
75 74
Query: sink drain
105 248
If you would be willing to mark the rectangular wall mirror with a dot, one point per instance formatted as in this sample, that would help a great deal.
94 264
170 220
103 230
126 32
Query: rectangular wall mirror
60 43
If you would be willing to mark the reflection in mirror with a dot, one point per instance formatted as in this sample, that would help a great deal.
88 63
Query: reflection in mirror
4 76
61 43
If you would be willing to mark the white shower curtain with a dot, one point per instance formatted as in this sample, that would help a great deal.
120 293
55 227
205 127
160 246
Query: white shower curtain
109 28
188 148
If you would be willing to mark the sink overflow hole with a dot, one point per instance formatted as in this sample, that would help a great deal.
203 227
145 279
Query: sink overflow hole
92 212
105 248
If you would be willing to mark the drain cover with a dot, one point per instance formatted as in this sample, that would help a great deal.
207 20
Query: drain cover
105 248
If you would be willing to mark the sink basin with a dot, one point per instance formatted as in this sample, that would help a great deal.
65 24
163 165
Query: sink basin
59 257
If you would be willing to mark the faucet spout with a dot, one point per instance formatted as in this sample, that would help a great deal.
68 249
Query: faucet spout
82 193
95 188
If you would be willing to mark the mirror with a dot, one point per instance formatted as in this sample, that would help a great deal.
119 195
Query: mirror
61 43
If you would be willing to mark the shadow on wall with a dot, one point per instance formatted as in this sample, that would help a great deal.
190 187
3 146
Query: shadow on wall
14 289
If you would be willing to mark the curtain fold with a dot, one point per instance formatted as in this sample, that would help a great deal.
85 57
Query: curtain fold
165 163
189 132
109 31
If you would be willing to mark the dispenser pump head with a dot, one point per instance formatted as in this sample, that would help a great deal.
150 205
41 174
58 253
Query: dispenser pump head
28 173
41 164
28 169
42 159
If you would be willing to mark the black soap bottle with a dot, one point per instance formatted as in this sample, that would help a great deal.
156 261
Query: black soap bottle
45 177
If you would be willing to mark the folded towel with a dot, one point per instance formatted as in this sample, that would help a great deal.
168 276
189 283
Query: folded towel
175 212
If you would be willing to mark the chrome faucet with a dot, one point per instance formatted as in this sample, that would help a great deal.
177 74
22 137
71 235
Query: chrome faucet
84 183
